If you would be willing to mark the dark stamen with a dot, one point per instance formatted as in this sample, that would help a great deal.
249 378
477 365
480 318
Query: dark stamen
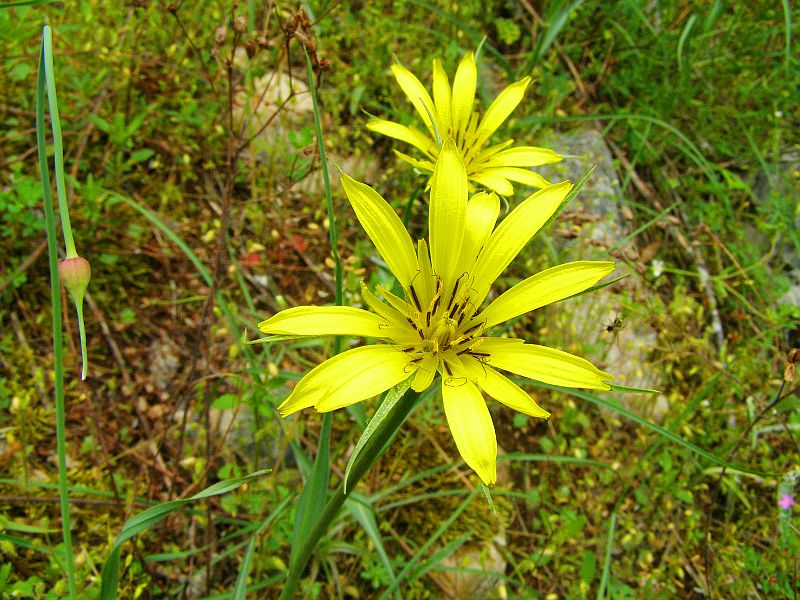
415 299
415 326
455 291
436 303
454 311
471 329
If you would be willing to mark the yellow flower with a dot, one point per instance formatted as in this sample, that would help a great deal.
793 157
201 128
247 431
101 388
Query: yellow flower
449 115
437 328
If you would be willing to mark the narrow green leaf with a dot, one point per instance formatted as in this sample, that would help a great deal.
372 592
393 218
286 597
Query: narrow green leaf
361 510
240 590
384 410
412 562
598 286
440 555
372 451
601 589
555 23
152 516
570 197
315 491
14 3
657 428
615 387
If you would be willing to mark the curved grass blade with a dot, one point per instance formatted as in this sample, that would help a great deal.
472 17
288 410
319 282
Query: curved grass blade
555 24
476 37
362 511
412 562
657 428
240 590
615 387
601 590
152 516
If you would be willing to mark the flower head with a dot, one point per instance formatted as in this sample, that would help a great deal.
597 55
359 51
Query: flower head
786 502
437 329
449 114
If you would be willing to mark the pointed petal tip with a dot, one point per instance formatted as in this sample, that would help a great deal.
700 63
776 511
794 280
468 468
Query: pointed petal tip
488 475
284 411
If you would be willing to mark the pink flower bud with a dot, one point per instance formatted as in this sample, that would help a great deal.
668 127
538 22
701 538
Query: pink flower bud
75 273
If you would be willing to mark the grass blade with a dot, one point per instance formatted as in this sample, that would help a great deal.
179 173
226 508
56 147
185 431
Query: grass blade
601 590
361 510
657 428
147 518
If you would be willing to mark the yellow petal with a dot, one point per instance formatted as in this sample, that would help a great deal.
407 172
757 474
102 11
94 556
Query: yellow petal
426 371
513 233
487 153
501 108
502 389
548 365
425 282
423 165
441 97
522 156
418 96
516 174
396 302
544 288
348 378
399 331
472 429
388 313
448 209
464 86
384 228
495 183
482 211
408 135
325 320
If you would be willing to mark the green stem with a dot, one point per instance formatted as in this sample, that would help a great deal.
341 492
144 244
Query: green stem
55 298
372 451
326 179
58 151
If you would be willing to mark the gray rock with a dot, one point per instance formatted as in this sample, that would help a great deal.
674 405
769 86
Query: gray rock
607 327
783 179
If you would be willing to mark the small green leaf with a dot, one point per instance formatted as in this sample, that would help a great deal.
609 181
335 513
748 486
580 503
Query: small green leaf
588 567
226 402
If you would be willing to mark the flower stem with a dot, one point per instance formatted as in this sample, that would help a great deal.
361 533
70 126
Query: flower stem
55 297
373 449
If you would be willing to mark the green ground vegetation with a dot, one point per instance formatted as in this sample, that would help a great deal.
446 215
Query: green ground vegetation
195 192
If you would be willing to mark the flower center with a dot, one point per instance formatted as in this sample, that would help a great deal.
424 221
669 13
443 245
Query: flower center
446 323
